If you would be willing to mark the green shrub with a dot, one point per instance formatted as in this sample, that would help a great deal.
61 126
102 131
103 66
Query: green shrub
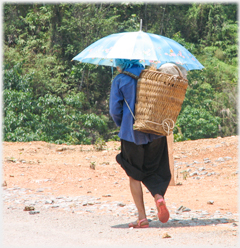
197 123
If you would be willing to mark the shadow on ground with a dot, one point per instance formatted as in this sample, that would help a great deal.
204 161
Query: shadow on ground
182 223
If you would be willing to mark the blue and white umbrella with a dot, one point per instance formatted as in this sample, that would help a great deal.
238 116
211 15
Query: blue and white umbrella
146 47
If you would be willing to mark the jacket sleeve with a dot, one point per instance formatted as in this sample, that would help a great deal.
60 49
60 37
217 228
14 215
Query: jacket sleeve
116 102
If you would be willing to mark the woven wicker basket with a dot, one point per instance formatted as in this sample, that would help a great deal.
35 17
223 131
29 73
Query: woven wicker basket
158 102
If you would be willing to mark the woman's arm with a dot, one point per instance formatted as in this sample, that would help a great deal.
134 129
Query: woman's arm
116 102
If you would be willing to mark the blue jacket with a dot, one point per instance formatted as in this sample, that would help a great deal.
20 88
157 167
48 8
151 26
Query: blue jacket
124 86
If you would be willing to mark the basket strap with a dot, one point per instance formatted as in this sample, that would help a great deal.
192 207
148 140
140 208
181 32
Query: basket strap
179 71
135 77
130 74
129 109
167 125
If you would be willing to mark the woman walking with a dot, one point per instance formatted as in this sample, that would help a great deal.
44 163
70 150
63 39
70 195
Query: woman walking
143 156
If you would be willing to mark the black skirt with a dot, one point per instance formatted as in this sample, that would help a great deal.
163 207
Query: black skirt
147 163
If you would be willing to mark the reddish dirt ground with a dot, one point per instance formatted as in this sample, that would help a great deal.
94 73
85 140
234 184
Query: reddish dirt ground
69 171
81 170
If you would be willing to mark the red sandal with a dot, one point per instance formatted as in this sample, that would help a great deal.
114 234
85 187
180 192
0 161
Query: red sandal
163 213
140 224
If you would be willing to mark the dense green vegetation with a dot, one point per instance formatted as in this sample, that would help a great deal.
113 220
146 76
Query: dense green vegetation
48 97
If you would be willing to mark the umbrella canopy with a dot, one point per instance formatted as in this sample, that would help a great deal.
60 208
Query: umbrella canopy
146 47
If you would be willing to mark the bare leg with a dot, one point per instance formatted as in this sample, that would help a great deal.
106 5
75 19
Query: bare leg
137 194
157 196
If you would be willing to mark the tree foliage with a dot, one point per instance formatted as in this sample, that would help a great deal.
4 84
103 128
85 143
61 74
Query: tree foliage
51 98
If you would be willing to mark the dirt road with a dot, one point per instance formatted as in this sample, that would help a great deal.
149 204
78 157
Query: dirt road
78 196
